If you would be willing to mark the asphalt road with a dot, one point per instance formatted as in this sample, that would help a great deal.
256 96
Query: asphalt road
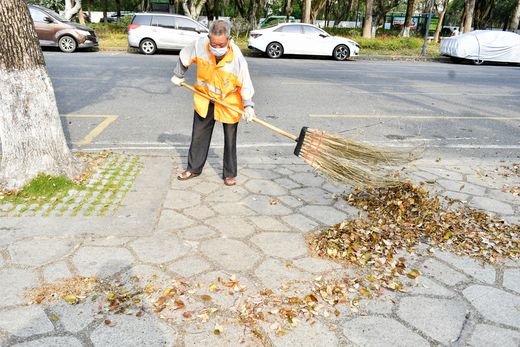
449 108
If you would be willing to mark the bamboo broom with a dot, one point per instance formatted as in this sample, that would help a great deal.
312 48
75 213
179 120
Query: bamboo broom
338 158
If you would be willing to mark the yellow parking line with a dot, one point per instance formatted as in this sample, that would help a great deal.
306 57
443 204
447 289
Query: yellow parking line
97 130
356 116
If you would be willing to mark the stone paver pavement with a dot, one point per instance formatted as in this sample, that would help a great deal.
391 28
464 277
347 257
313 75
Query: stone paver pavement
202 230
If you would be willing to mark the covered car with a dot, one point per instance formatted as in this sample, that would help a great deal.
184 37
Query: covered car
483 45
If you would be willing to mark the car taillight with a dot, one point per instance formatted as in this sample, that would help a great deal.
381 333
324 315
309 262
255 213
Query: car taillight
255 35
133 26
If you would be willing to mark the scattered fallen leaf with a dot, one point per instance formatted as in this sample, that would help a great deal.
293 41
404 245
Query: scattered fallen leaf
218 329
206 297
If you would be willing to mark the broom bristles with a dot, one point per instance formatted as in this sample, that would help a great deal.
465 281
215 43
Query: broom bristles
346 160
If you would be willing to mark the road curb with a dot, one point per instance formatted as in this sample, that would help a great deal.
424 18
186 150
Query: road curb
372 57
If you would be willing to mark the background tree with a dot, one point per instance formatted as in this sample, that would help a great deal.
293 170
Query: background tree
288 8
55 5
306 15
469 8
30 129
442 13
367 24
250 9
316 7
408 18
341 10
71 8
193 8
381 8
482 13
515 18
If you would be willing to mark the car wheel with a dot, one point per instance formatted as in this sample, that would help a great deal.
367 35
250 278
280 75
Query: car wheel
148 46
274 50
478 61
67 44
341 53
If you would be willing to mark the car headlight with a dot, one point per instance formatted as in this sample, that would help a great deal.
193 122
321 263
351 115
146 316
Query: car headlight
83 32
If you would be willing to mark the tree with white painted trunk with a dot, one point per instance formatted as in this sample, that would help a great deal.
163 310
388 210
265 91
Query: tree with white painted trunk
515 18
71 8
193 8
31 133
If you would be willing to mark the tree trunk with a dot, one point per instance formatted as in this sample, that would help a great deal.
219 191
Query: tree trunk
515 19
316 9
441 20
30 129
288 9
408 22
306 13
367 24
81 16
105 9
71 10
118 9
193 8
469 8
90 9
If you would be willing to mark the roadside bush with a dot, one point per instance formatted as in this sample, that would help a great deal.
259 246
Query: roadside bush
346 32
109 28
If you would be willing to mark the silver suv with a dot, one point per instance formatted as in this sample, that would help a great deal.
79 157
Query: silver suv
152 31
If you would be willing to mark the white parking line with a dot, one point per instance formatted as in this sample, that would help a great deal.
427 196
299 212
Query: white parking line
405 117
81 78
391 145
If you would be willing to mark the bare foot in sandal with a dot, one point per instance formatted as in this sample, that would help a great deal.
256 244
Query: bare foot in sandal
230 181
186 175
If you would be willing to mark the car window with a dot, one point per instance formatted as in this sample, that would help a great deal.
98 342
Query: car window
186 24
142 20
37 15
311 30
164 22
295 29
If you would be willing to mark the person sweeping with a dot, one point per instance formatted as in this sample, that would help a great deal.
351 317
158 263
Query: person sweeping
223 74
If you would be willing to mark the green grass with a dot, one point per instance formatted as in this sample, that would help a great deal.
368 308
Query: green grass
111 34
45 186
44 193
391 45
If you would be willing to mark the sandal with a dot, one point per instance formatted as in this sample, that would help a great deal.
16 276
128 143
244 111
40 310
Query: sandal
230 181
186 175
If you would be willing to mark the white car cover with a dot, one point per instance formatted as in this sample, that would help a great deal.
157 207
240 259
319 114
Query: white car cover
484 45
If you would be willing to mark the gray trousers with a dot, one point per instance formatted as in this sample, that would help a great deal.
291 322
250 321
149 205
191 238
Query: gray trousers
201 139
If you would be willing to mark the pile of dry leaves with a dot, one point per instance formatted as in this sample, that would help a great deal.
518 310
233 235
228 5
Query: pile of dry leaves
398 218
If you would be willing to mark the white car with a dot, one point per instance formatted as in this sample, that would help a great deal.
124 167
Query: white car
299 38
483 45
152 31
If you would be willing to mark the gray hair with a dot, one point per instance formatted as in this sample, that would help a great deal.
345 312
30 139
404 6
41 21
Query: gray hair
220 27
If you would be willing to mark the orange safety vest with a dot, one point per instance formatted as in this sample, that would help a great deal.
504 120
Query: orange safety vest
228 80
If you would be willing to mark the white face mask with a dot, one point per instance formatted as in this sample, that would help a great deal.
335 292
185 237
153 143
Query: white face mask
218 52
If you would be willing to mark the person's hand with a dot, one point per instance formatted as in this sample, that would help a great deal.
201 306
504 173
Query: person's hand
177 80
249 114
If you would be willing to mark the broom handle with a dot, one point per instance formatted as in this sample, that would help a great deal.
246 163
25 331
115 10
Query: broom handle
240 112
